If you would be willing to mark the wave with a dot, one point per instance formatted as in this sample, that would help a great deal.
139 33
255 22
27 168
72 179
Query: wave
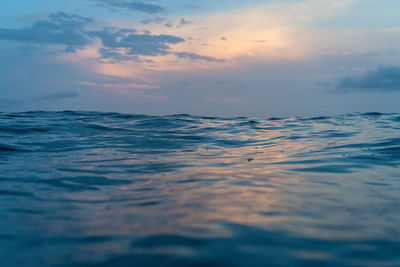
108 189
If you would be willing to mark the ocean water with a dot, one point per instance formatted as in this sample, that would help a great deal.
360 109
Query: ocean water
109 189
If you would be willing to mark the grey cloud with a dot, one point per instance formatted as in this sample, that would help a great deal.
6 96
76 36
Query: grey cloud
185 22
61 28
156 20
383 79
198 57
169 24
119 44
133 5
115 56
136 44
59 96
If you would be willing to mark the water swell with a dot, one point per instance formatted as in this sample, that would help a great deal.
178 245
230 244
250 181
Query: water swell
110 189
10 148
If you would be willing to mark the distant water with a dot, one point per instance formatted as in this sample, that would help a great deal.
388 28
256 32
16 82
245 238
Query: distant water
109 189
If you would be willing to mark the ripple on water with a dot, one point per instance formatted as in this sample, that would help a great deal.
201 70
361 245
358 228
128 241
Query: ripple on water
107 189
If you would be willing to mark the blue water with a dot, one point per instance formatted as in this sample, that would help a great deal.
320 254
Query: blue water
109 189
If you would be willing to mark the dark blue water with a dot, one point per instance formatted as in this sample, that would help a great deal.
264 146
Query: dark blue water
108 189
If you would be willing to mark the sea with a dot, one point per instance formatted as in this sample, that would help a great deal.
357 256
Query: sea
110 189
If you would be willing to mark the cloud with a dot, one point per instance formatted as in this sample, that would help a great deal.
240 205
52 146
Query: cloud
118 44
59 96
115 56
383 79
132 5
155 20
119 85
198 57
70 30
184 21
135 43
169 23
125 87
125 45
61 29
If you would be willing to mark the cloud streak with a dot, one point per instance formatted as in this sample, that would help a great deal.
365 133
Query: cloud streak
383 79
132 5
193 56
120 85
59 96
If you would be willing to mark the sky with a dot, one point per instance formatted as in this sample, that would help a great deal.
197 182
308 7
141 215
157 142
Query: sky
218 58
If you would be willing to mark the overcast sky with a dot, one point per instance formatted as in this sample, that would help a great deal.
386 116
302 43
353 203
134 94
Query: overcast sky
246 58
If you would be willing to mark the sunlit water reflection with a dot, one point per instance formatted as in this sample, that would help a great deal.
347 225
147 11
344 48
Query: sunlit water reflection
108 189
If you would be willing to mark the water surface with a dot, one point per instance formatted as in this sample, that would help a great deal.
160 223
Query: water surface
109 189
